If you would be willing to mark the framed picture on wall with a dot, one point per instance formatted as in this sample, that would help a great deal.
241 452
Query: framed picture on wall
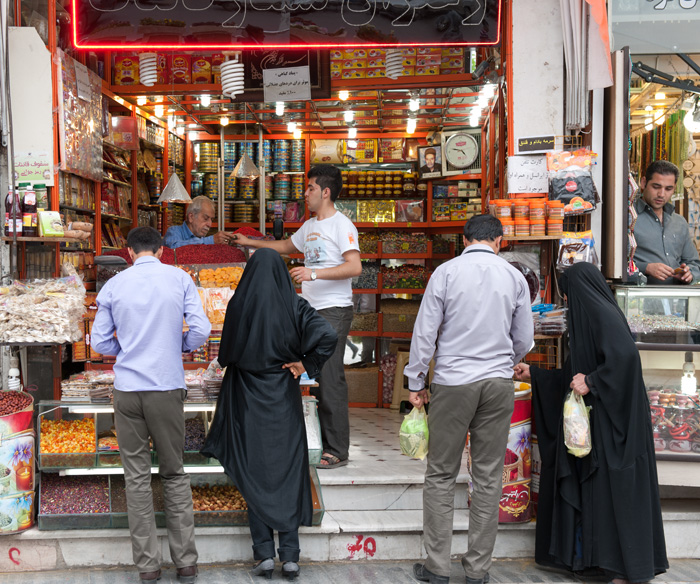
430 161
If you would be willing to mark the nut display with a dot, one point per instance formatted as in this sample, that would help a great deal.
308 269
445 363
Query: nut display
12 402
64 436
217 498
220 277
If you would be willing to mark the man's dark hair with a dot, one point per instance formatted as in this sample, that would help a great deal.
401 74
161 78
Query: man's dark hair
144 239
483 228
661 167
327 177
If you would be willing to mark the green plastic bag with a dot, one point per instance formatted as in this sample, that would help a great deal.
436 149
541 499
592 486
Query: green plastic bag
413 435
577 427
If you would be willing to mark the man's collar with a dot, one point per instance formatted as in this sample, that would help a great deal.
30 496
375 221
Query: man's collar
187 228
478 246
148 259
642 205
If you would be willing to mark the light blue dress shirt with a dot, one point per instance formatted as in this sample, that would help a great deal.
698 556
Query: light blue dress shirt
145 305
178 235
474 320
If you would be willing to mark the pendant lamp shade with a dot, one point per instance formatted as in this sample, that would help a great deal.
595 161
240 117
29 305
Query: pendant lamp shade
245 168
174 192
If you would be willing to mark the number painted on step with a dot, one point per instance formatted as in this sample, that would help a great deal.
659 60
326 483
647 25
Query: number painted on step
369 547
12 552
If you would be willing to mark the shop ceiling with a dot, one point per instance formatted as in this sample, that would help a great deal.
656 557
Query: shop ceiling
382 110
652 102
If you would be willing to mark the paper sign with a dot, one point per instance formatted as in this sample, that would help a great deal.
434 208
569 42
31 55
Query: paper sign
533 144
33 167
527 174
83 81
288 84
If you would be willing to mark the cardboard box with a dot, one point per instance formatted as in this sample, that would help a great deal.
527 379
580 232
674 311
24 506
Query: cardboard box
408 52
452 190
49 223
181 69
353 73
453 51
362 384
376 72
355 64
408 72
451 71
355 53
376 53
458 216
409 211
201 70
336 65
449 62
428 61
336 74
126 70
337 55
409 61
376 62
428 70
429 51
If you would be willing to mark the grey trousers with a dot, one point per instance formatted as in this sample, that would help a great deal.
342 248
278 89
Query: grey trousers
333 391
160 415
484 409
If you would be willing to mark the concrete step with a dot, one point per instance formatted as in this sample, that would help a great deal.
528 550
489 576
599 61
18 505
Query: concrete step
343 535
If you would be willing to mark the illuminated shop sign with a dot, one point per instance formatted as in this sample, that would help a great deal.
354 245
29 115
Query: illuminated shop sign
246 24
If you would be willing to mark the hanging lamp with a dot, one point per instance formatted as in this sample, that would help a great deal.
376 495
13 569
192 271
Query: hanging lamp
246 167
174 192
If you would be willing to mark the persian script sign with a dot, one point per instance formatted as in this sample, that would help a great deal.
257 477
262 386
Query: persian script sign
222 24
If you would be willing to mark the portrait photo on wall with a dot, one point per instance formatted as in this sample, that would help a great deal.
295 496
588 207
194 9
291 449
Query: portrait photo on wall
430 161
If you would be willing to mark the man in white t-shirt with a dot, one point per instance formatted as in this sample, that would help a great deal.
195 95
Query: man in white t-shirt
331 251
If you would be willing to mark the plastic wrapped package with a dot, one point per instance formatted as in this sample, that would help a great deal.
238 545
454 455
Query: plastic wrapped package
577 428
413 435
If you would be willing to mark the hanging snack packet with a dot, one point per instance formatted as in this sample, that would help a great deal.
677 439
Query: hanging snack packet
413 435
577 427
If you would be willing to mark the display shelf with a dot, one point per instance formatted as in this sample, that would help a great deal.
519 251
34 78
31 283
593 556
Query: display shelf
406 256
366 291
115 217
44 239
387 225
532 238
118 149
151 145
113 166
153 207
76 209
255 225
402 290
116 182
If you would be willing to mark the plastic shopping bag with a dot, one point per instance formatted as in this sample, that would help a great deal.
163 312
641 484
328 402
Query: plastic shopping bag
577 427
413 435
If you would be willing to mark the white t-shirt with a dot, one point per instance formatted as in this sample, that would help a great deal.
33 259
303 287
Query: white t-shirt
323 244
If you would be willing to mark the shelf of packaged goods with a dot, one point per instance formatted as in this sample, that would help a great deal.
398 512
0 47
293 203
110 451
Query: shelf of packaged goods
76 209
150 145
406 256
542 337
255 225
115 217
113 166
109 248
387 225
365 291
116 182
154 207
118 149
532 238
402 291
44 239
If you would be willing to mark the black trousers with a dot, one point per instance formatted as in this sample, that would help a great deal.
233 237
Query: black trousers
264 541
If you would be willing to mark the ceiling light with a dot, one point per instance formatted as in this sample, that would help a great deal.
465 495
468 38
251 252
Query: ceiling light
649 108
413 105
660 120
223 120
191 125
352 133
411 125
180 130
297 133
343 94
291 126
691 121
279 108
474 121
349 115
171 122
193 135
489 90
205 100
659 95
159 111
141 100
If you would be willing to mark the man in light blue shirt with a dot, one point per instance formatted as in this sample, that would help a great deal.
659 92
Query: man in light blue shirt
475 321
200 214
144 306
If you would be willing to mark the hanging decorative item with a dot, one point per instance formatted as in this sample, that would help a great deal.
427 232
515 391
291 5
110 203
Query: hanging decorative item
148 69
232 77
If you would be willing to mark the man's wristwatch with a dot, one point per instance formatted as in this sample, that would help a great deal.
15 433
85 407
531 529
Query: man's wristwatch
313 274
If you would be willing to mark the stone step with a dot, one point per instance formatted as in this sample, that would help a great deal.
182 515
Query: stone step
343 535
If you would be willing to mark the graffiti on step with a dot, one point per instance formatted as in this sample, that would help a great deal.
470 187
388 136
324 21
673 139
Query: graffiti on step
369 546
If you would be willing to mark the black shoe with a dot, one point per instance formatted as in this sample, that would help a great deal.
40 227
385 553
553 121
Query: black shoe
264 568
187 575
149 577
290 570
420 572
483 580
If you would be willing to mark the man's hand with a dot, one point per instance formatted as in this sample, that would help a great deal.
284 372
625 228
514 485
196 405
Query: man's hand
418 398
578 384
295 368
300 274
239 239
221 237
659 271
522 372
683 274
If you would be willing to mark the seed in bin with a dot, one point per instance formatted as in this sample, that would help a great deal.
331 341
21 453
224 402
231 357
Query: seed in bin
217 498
62 436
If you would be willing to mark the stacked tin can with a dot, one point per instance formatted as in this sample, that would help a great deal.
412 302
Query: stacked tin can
266 160
208 156
282 186
251 149
245 211
268 186
297 186
230 187
296 161
247 188
282 155
211 186
230 156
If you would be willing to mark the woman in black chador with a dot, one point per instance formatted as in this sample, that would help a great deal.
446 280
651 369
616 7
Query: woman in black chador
600 512
270 337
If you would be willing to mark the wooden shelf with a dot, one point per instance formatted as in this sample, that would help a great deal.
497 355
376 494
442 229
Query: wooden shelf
118 149
45 239
76 209
366 291
151 145
402 290
113 166
116 182
533 238
117 217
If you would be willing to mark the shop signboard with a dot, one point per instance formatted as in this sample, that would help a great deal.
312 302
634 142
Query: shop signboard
255 24
654 26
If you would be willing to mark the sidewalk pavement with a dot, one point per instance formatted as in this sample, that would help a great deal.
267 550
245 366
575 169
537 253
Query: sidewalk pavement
502 572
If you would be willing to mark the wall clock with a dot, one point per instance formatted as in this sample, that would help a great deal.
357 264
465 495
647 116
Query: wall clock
461 150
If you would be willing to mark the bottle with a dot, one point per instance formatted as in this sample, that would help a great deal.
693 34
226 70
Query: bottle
29 213
42 197
13 205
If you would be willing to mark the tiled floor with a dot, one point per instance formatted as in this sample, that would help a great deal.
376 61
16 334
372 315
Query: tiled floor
375 456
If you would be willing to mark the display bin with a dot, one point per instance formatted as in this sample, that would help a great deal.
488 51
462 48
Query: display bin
50 521
365 322
57 413
665 323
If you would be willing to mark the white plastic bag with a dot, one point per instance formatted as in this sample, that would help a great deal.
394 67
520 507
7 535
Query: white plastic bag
577 427
413 435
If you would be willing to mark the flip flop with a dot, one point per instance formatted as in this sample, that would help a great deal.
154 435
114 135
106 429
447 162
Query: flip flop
331 461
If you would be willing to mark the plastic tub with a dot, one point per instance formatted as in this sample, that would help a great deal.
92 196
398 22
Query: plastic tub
508 227
503 209
522 227
521 209
537 209
555 209
537 227
555 226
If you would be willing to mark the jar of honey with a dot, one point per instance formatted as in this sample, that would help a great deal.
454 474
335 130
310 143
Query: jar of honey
537 228
522 228
555 209
508 227
503 209
521 208
537 209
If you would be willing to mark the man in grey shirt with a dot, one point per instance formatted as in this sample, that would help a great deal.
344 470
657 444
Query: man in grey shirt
665 251
475 321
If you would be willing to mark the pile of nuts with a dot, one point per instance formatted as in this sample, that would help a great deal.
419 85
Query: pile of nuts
220 277
12 402
217 498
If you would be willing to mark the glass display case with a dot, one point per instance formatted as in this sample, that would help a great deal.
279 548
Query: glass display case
665 322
